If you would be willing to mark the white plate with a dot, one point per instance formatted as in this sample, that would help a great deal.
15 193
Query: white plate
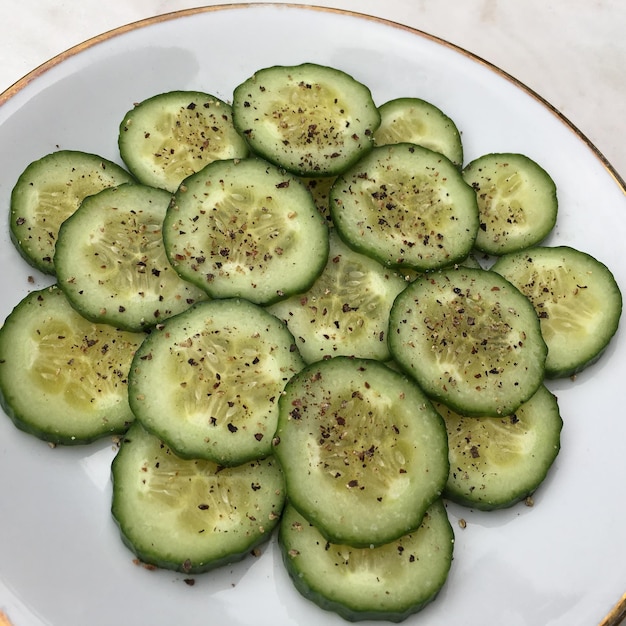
561 562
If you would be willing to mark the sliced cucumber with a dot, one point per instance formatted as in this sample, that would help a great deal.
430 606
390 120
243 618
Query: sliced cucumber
208 382
48 192
62 378
111 263
310 119
517 201
346 310
172 135
363 451
246 229
413 120
406 206
498 461
576 297
471 340
388 582
191 515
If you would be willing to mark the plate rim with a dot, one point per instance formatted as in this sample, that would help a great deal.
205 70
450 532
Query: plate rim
618 612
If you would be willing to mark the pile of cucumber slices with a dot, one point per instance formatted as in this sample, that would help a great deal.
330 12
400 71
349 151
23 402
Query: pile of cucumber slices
303 313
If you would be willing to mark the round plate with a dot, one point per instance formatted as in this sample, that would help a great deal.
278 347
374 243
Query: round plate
559 562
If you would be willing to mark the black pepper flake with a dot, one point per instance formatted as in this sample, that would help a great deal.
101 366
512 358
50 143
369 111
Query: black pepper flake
232 428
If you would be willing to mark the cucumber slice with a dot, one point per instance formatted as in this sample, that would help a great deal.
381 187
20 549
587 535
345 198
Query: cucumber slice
471 340
576 297
246 229
208 382
517 201
111 262
498 461
310 119
388 582
191 515
406 206
48 192
63 378
172 135
413 120
363 451
346 310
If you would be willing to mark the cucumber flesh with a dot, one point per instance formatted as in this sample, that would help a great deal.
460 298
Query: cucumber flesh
406 206
363 451
346 310
48 192
576 297
388 582
417 121
63 378
246 229
310 119
319 188
111 263
166 138
191 515
498 461
471 340
517 201
207 382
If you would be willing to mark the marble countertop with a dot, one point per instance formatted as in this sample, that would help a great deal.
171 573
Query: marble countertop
572 53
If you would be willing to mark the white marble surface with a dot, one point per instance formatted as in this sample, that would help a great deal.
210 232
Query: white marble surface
571 52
